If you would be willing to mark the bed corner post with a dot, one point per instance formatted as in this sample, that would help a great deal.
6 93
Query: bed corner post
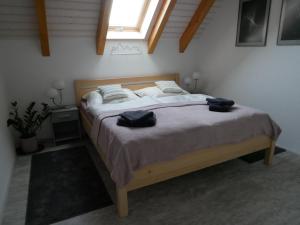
270 153
122 202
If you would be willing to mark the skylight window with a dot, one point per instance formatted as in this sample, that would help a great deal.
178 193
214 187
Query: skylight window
124 14
130 19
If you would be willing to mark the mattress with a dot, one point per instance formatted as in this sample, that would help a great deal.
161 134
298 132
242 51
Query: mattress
184 124
95 110
85 111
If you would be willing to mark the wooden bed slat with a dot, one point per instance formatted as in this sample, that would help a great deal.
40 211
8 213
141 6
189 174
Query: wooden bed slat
195 161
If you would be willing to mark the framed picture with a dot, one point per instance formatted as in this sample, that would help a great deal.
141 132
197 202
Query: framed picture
289 29
253 22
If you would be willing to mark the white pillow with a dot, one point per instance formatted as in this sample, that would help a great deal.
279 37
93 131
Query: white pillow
93 98
184 92
84 97
156 92
149 91
169 87
112 92
131 96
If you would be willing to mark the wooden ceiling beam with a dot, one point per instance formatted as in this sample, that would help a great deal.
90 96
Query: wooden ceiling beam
43 30
160 23
195 23
103 25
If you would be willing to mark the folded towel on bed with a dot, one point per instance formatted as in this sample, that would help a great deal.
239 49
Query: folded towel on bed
135 116
219 104
219 108
140 118
220 101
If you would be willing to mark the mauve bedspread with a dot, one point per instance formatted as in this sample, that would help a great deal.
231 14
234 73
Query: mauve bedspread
180 128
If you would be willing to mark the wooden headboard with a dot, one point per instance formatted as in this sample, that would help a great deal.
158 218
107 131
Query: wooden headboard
84 86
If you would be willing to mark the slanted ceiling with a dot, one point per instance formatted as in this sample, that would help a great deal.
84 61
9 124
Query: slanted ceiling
79 18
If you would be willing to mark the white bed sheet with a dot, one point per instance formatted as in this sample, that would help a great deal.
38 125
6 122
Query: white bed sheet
145 101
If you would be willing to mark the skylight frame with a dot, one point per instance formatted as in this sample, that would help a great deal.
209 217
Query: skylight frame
140 21
140 31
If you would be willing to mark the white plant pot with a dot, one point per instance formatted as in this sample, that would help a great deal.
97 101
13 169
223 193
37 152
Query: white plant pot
29 145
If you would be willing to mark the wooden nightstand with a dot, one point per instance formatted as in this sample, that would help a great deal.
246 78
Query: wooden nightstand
65 124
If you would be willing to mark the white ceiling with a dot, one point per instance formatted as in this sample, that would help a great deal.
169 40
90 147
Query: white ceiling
79 18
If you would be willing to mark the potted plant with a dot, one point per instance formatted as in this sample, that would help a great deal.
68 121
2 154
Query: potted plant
28 124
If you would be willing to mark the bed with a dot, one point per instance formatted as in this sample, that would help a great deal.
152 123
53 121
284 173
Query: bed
181 164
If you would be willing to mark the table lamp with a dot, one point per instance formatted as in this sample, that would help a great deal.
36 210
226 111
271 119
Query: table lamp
57 90
187 81
196 76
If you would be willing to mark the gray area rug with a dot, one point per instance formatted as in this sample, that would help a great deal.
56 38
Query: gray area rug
260 155
63 184
233 193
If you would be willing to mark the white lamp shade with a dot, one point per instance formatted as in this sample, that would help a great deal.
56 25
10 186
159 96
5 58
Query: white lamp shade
59 84
52 93
187 80
196 75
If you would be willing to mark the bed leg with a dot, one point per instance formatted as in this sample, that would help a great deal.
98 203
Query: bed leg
122 202
269 154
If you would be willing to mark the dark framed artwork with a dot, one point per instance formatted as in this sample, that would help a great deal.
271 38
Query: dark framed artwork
253 22
289 28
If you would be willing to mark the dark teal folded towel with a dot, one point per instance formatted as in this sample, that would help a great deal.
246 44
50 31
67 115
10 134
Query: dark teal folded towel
136 116
219 108
220 101
219 104
140 118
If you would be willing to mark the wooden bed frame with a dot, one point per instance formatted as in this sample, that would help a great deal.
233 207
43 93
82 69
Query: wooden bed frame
184 164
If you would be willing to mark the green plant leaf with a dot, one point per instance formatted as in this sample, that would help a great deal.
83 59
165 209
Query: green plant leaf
14 104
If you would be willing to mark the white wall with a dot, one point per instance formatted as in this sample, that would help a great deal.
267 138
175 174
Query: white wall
6 146
30 74
264 77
